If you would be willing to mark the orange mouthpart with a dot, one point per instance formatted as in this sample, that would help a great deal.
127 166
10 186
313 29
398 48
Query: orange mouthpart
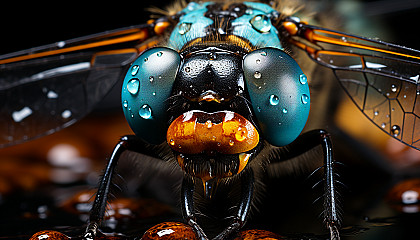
225 132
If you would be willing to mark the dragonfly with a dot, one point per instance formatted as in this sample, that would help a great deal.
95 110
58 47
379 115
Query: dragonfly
211 87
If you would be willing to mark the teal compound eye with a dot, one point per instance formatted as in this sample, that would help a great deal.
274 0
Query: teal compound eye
279 93
146 87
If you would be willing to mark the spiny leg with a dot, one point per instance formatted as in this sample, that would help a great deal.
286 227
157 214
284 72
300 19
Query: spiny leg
239 219
304 143
129 142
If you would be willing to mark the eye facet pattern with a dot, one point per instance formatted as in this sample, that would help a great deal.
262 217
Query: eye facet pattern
279 94
147 85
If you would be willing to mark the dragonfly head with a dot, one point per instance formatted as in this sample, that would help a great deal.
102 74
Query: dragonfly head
213 105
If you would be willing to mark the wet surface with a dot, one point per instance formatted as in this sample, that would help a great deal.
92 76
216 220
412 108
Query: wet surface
377 203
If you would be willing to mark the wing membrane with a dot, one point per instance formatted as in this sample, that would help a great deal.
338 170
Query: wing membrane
47 88
381 78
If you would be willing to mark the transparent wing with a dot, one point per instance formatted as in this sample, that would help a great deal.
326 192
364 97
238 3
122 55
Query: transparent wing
381 78
47 88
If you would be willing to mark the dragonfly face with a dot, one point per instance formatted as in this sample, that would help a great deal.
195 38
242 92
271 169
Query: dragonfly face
224 95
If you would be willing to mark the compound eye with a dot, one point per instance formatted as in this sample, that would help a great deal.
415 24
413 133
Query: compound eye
279 94
147 85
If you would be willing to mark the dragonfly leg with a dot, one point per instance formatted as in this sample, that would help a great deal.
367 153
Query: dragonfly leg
129 142
304 143
247 188
239 220
187 190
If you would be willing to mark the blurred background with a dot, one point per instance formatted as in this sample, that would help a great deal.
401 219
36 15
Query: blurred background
47 183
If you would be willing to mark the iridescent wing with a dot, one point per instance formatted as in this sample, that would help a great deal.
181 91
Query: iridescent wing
381 78
47 88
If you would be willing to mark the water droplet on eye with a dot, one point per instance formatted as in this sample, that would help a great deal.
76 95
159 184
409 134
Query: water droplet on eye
187 69
125 103
263 53
133 86
274 100
257 75
249 11
305 99
159 54
383 125
395 130
393 88
184 28
376 113
154 93
151 79
231 143
284 110
261 23
145 112
172 142
146 59
258 61
134 70
303 79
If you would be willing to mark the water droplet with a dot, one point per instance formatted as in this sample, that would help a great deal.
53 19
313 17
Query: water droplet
133 86
383 125
241 134
249 11
231 143
376 113
159 54
264 53
145 112
151 79
172 142
66 114
125 103
258 61
261 23
258 109
18 116
146 59
154 93
395 130
134 70
303 79
61 44
305 99
393 88
344 39
418 92
187 69
274 100
184 28
208 124
284 110
257 75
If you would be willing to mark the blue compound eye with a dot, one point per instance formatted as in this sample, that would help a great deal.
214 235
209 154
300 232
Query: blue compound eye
147 85
279 94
